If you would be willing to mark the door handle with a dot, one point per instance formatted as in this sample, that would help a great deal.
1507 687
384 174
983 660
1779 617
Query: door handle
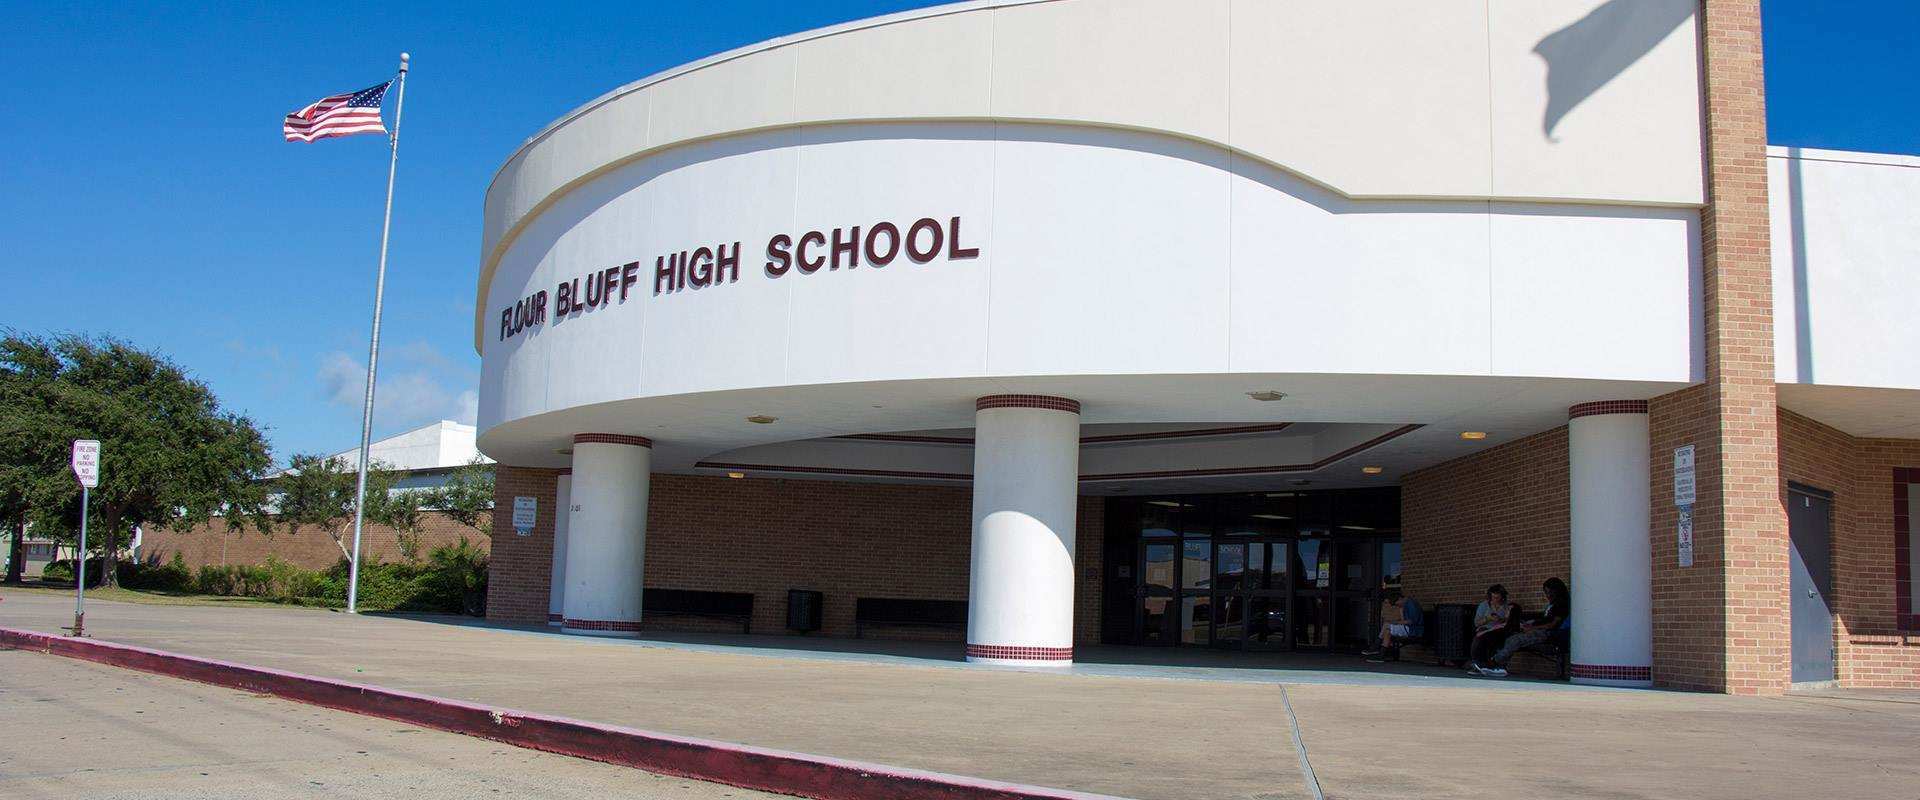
1812 593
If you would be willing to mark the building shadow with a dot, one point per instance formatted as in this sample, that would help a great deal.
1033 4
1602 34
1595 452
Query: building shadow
1588 54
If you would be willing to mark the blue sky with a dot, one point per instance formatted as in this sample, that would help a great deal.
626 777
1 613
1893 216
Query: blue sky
146 193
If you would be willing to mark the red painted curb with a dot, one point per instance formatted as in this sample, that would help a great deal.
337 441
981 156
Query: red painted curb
739 765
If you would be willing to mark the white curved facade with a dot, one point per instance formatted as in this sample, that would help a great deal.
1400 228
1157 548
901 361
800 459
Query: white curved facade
1099 253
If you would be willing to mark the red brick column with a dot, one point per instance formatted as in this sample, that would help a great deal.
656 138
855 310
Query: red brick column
520 567
1722 624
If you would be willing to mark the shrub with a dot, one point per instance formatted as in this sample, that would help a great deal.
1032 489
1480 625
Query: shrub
62 571
58 572
173 576
220 580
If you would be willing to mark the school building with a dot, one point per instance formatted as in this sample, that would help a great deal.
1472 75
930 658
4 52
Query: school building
1036 324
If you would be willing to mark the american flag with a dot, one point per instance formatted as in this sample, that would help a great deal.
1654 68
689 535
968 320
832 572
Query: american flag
339 115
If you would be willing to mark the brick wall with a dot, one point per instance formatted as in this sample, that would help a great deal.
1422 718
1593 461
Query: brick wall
520 566
1872 649
1499 516
309 548
1723 622
766 536
1689 603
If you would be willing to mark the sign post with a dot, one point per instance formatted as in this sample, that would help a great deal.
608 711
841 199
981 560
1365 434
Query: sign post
86 467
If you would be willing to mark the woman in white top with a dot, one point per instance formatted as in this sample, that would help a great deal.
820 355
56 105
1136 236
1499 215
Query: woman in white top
1492 623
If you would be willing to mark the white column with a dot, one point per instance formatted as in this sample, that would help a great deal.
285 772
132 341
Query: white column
606 535
556 587
1612 579
1026 480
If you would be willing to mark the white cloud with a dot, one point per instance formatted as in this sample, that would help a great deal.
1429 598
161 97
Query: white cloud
469 404
417 385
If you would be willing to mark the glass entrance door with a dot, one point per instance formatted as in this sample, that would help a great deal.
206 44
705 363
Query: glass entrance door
1230 575
1355 592
1250 606
1158 572
1312 579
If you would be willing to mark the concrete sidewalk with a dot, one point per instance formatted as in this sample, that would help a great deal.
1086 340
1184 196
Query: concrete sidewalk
79 729
1149 732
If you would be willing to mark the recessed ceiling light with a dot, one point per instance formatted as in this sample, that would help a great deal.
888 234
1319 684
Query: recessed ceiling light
1167 503
1355 528
736 475
1371 470
762 419
1283 494
1267 396
1271 516
1473 435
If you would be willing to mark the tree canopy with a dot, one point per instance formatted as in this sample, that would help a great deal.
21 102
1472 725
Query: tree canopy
317 491
170 455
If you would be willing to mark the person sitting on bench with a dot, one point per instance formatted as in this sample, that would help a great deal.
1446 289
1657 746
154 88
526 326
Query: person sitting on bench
1493 621
1539 629
1400 619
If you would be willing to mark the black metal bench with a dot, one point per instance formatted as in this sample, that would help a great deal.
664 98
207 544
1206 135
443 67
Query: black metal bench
1555 648
905 612
732 606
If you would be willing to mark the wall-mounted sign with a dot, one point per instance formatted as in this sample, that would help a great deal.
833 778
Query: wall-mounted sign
525 511
873 246
1685 536
1683 487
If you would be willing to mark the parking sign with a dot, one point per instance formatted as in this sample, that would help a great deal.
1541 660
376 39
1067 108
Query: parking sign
86 462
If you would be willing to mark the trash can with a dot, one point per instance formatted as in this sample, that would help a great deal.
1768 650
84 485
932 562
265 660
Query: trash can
803 610
1452 631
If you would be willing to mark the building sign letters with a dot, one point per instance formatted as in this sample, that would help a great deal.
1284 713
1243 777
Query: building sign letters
874 246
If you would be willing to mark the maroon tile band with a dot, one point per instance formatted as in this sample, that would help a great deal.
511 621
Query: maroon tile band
1610 672
612 438
1026 401
601 624
1607 407
1020 653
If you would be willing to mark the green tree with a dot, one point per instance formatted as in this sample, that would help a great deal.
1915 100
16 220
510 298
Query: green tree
32 447
467 496
170 456
318 491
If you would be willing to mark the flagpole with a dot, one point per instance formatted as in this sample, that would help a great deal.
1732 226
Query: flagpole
373 348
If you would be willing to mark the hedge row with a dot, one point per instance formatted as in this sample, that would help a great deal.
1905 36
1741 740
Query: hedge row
453 579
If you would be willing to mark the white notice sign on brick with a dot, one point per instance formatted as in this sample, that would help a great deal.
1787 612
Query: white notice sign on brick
1683 476
525 510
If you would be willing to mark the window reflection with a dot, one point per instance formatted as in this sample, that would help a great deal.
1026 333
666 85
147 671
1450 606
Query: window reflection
1196 623
1197 571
